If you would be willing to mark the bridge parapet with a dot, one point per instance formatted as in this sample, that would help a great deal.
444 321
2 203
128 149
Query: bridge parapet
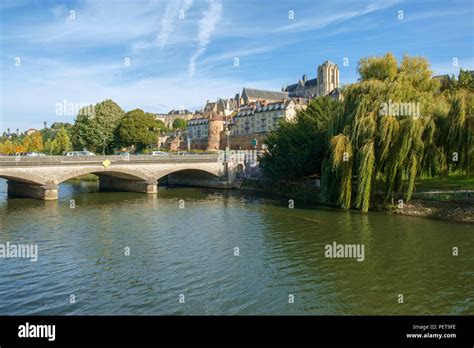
6 161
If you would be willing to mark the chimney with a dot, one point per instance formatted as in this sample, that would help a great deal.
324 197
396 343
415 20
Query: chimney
305 78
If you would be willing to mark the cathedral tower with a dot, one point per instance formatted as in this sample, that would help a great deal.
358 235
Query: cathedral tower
328 77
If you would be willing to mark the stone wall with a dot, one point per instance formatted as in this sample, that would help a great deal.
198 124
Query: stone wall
242 142
237 142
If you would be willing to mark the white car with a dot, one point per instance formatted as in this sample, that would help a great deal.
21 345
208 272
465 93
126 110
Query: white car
80 153
34 154
159 153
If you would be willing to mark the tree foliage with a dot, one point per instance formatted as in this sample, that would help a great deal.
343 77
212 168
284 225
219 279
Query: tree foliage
33 142
379 68
61 143
138 129
393 147
96 131
179 123
296 148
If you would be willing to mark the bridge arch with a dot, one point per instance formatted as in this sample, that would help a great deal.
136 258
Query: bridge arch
28 178
121 173
206 172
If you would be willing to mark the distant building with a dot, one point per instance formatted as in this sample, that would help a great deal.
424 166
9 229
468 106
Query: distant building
169 118
198 128
262 116
336 94
31 131
221 106
324 84
251 95
441 77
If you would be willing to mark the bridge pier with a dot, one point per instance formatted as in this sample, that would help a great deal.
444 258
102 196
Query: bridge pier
47 192
107 183
189 180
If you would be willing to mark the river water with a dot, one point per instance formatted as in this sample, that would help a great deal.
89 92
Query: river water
183 258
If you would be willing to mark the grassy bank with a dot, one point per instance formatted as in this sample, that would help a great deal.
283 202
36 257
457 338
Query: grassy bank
451 182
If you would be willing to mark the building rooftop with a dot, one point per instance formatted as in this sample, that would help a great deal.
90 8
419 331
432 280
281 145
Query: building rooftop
263 94
252 108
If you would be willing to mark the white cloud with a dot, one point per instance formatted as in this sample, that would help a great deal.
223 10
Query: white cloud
207 25
321 21
169 19
96 22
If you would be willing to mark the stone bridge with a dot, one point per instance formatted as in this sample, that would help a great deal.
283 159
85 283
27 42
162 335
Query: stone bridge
39 177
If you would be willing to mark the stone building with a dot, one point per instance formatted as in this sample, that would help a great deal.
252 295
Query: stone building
222 106
169 118
198 126
216 126
324 84
262 116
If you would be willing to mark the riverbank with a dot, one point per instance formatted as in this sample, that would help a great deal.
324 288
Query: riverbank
436 210
448 211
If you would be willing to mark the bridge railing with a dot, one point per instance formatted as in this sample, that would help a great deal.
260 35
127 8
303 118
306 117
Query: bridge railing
55 160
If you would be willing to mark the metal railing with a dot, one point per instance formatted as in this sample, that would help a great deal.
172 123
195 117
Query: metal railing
454 195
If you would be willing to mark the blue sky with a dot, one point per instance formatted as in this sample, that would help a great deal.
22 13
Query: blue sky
80 57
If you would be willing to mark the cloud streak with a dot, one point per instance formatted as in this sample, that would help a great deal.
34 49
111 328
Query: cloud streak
207 25
169 20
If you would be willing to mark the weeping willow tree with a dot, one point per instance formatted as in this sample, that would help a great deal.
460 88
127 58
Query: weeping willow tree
460 131
386 132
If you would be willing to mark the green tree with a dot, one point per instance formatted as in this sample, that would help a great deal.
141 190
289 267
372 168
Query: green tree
296 148
95 130
7 147
179 123
460 131
466 80
136 128
60 144
33 142
159 125
366 144
63 142
379 68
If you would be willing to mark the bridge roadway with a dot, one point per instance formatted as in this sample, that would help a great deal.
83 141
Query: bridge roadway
39 177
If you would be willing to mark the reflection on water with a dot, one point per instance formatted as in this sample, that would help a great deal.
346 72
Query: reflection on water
190 251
